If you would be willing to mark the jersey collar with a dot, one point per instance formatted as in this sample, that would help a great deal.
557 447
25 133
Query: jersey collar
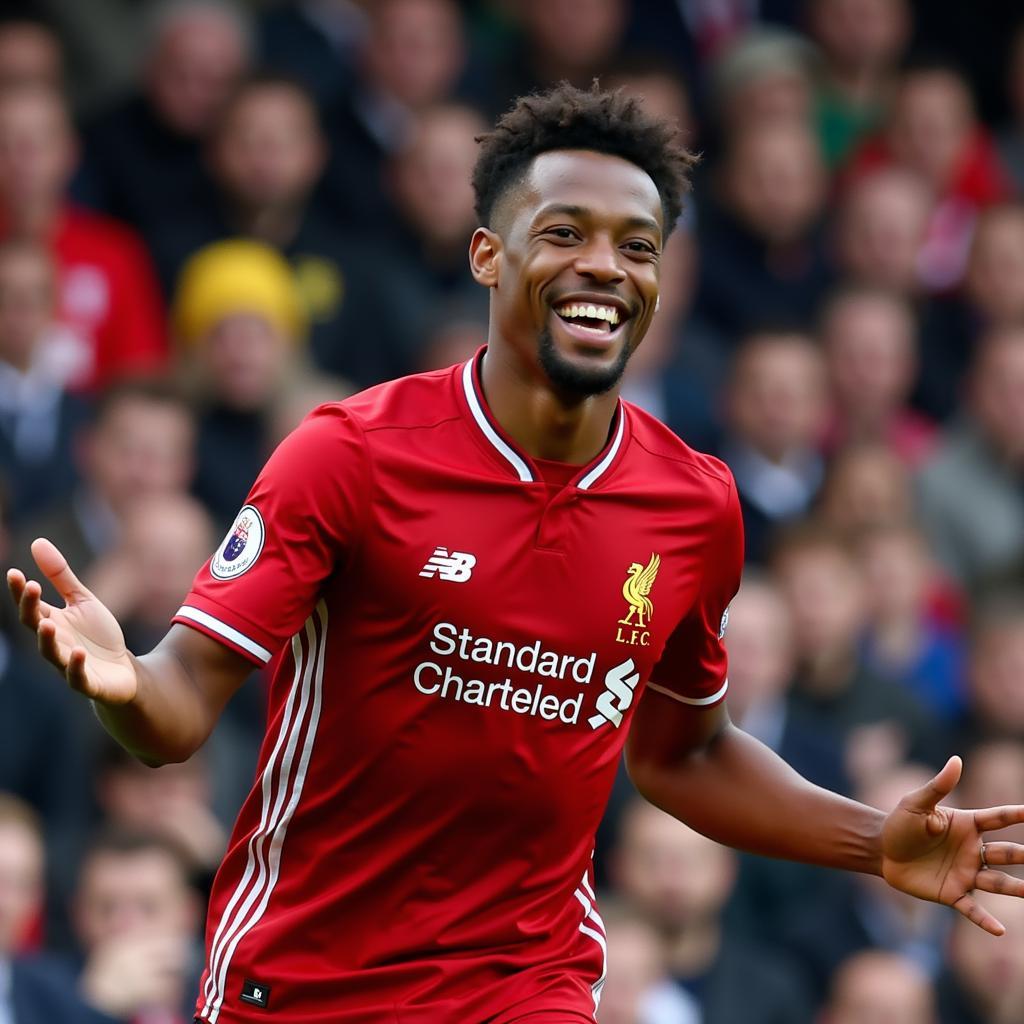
510 455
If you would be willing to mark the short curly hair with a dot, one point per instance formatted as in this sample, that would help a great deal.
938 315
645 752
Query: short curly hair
569 118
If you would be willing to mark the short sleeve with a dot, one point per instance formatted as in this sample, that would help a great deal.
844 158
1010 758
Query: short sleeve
297 526
693 666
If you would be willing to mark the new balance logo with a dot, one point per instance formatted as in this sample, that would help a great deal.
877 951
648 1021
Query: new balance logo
620 684
456 567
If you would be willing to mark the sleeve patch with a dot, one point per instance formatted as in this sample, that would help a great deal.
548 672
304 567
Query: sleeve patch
241 547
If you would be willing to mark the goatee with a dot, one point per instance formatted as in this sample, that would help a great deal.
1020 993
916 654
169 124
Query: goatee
577 381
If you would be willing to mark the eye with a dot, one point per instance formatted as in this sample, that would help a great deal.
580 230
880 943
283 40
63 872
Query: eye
637 245
562 233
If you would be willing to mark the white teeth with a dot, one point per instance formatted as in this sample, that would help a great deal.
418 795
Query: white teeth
607 313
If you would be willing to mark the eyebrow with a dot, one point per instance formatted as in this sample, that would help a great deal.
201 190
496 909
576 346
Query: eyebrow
571 210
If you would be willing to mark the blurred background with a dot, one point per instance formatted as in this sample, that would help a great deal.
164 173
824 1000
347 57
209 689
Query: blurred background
215 216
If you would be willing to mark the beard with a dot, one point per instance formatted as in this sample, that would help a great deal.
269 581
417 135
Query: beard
575 381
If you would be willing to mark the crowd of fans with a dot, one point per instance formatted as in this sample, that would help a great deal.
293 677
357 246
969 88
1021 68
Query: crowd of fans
271 209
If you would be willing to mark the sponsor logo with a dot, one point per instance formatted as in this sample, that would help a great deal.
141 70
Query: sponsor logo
633 629
241 547
456 567
620 685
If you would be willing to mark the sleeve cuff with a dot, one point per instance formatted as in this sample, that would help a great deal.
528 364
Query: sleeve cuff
696 701
189 615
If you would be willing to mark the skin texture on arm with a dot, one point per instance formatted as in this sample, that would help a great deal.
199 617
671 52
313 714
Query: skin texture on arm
161 706
694 764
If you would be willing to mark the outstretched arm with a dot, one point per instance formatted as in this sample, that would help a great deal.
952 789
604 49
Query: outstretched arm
161 706
695 764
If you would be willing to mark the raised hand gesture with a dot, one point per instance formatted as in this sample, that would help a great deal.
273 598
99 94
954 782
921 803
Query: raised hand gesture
940 853
82 639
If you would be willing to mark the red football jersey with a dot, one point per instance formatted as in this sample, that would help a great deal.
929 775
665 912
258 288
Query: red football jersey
457 647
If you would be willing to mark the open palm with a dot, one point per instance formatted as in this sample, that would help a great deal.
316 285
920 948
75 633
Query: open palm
935 852
82 639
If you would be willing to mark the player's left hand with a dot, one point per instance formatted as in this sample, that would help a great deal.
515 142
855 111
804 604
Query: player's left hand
940 854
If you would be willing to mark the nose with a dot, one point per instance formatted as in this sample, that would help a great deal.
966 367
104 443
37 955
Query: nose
599 260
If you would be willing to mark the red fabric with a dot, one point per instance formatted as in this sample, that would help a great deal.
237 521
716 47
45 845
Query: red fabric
418 850
980 177
108 296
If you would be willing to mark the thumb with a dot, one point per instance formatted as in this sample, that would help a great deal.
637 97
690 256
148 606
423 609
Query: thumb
938 788
55 567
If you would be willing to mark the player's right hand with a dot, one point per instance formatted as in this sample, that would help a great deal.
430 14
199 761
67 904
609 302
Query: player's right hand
82 639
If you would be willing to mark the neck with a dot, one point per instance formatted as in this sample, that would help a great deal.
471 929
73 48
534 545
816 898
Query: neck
544 424
32 219
277 224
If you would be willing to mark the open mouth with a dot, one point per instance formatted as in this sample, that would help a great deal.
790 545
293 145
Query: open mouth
595 319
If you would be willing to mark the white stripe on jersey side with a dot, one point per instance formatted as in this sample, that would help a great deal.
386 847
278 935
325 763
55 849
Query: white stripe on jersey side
698 701
281 829
223 629
599 469
272 801
597 934
489 432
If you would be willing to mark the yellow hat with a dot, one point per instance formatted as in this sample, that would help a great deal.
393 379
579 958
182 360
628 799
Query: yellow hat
237 276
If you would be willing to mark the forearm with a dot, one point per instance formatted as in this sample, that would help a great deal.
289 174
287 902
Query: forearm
169 717
740 793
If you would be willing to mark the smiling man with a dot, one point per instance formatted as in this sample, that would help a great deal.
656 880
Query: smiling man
470 584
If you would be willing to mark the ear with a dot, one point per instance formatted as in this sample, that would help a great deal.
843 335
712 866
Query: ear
485 257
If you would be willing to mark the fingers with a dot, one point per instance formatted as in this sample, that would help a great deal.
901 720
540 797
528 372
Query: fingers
925 798
999 882
31 606
989 819
1004 853
56 569
976 914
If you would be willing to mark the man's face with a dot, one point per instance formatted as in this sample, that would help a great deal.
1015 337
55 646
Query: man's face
26 303
36 147
269 151
138 893
21 883
576 267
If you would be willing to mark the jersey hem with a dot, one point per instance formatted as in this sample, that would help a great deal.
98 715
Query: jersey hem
703 702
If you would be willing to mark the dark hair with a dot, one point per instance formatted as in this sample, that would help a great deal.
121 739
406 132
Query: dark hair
569 118
260 80
150 389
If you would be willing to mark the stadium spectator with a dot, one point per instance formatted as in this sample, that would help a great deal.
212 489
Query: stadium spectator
241 330
760 236
863 913
659 84
881 227
30 53
984 979
871 351
764 75
266 155
971 500
174 801
905 639
677 374
860 42
143 157
775 409
140 443
880 723
136 919
38 418
562 40
412 58
880 988
108 293
933 131
33 989
638 989
679 881
866 486
993 771
996 658
429 179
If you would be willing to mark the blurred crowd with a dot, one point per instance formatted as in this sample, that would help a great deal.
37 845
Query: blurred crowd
215 216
